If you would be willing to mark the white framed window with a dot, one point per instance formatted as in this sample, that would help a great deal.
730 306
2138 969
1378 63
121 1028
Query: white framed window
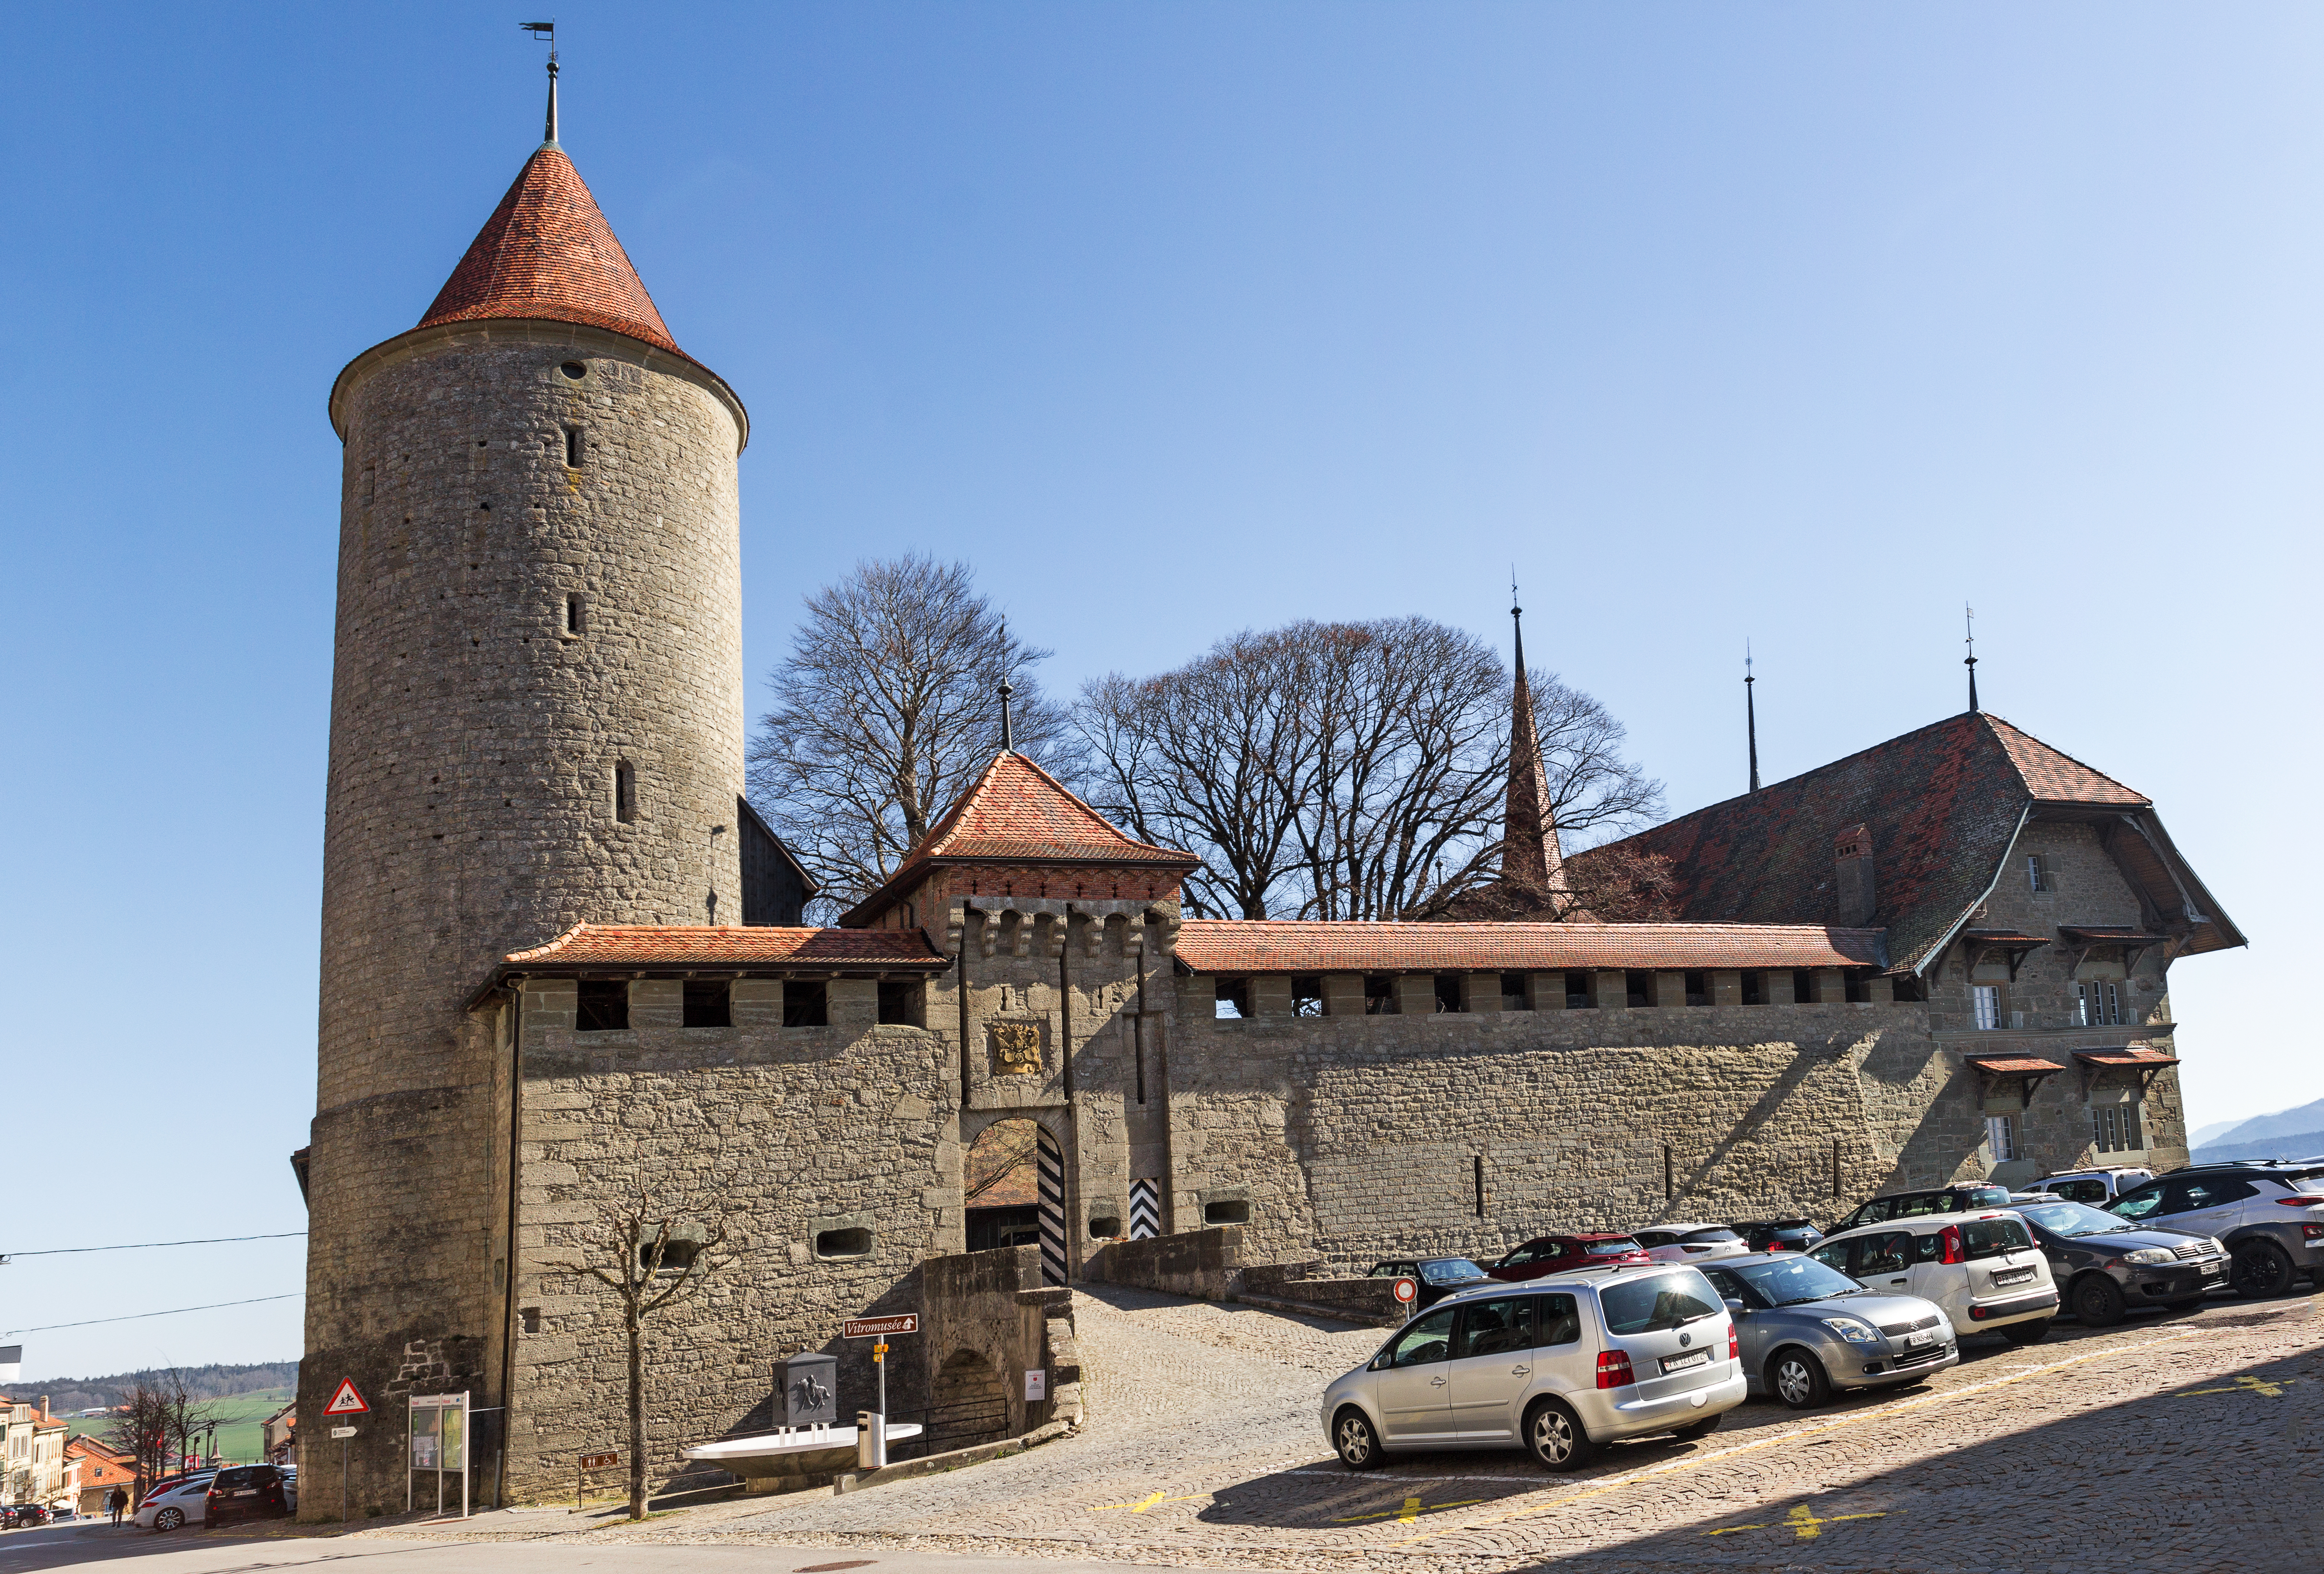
2001 1137
2099 1002
2040 877
1984 1006
2117 1128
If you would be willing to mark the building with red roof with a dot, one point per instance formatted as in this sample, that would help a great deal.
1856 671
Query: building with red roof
564 965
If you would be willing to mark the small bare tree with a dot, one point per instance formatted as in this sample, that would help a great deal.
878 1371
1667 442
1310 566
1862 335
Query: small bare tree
154 1423
885 710
648 1263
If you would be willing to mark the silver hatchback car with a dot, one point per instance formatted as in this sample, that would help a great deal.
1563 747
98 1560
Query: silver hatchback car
1806 1328
1555 1366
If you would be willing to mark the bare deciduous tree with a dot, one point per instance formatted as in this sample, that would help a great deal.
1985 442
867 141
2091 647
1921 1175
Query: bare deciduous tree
643 1258
1349 771
153 1425
885 711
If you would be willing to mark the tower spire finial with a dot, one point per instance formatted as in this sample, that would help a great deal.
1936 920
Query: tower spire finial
1530 855
1007 691
1751 714
1969 619
546 29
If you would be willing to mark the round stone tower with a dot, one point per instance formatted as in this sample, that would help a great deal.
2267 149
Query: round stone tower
537 719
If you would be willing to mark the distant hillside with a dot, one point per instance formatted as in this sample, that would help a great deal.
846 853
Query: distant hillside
67 1394
2282 1123
2298 1145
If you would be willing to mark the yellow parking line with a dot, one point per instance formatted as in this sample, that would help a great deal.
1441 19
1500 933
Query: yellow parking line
1412 1510
2272 1387
1880 1412
1802 1522
1143 1504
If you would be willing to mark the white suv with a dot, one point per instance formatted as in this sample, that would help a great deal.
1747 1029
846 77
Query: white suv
1555 1366
1982 1269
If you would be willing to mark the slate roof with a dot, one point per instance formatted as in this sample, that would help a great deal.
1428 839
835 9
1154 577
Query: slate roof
548 252
1943 804
1315 946
1018 813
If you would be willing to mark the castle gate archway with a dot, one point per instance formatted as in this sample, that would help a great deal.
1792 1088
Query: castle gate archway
1013 1191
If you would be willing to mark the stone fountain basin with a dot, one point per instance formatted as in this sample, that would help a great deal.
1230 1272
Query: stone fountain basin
807 1450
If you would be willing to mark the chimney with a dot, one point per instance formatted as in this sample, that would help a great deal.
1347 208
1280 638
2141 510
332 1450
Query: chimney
1851 856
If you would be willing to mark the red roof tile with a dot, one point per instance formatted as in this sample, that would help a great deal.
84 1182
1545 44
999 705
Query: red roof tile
2013 1065
1941 805
1017 812
2124 1058
2055 778
1307 946
621 945
548 252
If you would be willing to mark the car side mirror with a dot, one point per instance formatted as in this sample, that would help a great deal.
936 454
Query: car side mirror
1737 1308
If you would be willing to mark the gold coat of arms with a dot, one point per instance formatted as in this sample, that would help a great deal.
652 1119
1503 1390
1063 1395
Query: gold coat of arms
1016 1047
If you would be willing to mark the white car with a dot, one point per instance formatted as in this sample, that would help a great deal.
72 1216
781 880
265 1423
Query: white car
175 1502
1982 1269
1555 1366
1690 1242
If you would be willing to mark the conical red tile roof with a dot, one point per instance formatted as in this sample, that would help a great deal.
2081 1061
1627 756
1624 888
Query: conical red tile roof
548 252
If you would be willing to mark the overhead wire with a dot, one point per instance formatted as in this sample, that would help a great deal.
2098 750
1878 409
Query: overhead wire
140 1245
136 1316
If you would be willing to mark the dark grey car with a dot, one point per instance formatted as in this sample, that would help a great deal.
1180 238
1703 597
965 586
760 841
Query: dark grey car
2104 1267
1805 1330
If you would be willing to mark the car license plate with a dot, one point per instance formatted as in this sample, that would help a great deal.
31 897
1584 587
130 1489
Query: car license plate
1681 1363
2013 1275
1923 1338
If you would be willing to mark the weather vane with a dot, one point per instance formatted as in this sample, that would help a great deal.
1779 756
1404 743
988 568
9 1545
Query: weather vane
1968 621
547 31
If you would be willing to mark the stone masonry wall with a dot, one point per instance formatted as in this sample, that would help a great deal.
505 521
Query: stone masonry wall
470 811
781 1133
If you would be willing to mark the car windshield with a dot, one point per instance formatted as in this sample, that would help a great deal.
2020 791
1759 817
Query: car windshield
1612 1248
1792 1280
2072 1218
1450 1270
1665 1301
1984 1237
1718 1233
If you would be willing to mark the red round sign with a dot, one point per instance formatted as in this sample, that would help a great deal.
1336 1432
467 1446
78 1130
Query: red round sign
1407 1290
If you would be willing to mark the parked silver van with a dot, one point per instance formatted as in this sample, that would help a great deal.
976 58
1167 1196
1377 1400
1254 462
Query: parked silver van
1555 1366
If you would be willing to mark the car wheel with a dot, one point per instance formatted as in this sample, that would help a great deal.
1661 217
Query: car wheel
2027 1333
169 1519
1702 1429
2098 1302
1797 1379
1555 1436
2260 1269
1354 1440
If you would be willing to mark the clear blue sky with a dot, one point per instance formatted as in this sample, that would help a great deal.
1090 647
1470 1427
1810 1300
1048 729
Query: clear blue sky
1796 323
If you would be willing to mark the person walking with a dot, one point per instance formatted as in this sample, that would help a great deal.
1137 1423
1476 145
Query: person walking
116 1500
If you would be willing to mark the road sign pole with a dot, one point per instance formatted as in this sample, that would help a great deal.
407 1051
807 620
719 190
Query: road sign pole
343 1480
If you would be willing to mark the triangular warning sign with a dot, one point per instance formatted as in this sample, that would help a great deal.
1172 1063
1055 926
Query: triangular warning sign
346 1400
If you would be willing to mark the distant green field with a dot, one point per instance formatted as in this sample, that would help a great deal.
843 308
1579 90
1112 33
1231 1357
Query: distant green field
239 1439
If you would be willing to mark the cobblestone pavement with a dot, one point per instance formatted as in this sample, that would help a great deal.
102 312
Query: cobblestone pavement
2183 1443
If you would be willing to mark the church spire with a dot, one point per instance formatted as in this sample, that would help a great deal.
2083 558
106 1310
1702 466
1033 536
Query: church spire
1530 855
1751 714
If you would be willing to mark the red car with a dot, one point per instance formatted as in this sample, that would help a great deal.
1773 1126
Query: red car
1563 1254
